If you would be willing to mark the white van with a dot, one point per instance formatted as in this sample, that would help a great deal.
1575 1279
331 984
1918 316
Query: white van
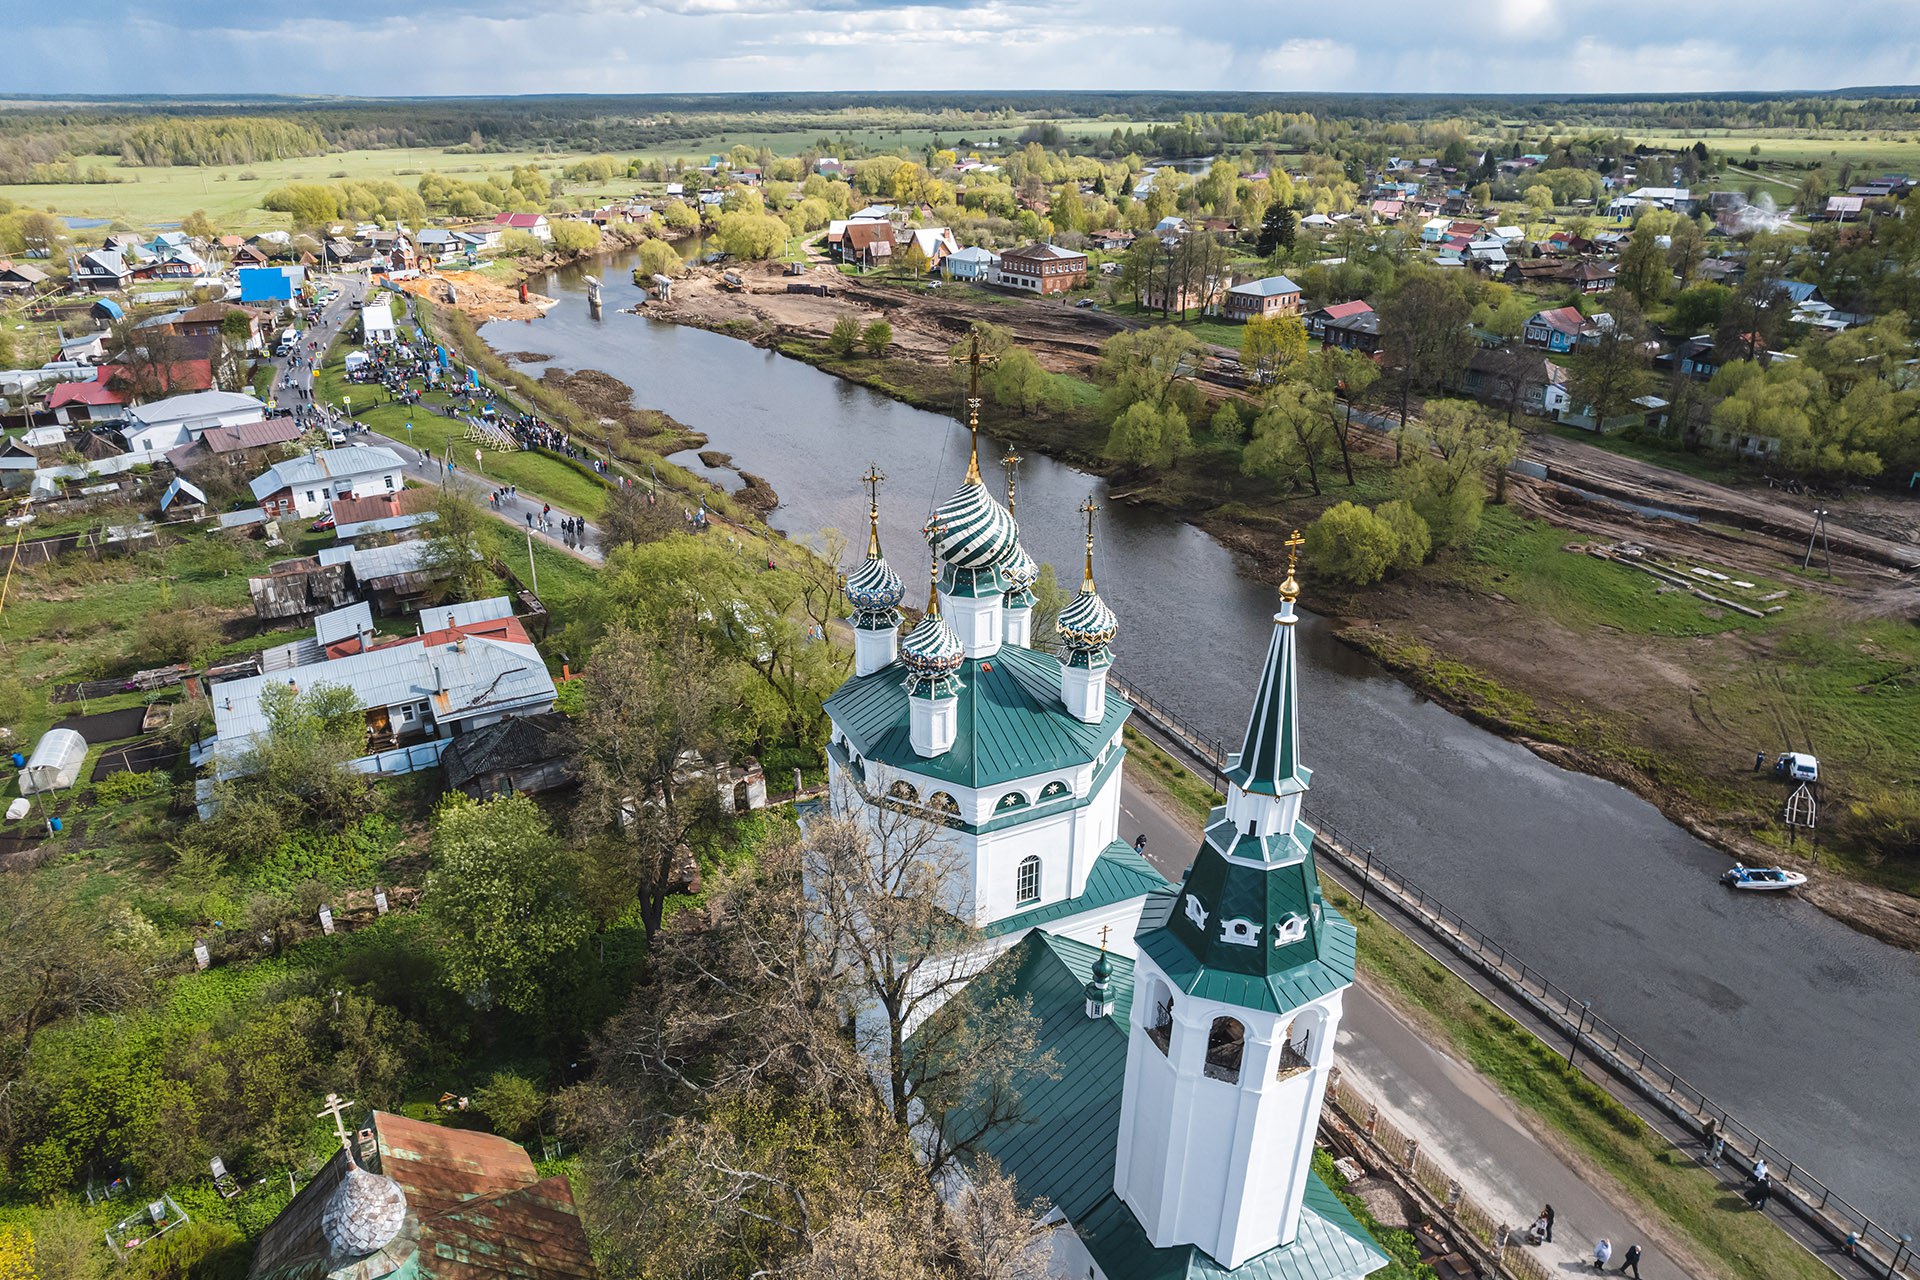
1797 766
288 341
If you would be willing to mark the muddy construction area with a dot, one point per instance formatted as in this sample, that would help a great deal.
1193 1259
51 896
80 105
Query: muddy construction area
480 297
925 324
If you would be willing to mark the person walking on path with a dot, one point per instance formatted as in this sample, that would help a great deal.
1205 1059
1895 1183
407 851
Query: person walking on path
1602 1253
1630 1264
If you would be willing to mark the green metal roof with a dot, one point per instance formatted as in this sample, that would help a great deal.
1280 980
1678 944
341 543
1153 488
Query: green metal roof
1012 723
1269 759
1117 875
1064 1146
1202 961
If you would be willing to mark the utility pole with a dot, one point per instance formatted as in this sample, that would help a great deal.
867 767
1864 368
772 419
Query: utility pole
1819 534
533 569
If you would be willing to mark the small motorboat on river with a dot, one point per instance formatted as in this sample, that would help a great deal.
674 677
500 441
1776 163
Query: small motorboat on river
1762 879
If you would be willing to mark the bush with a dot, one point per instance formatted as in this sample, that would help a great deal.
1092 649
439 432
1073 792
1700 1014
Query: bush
511 1103
1351 544
845 336
1414 541
119 788
1227 425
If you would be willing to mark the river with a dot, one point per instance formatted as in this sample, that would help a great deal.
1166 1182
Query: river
1803 1028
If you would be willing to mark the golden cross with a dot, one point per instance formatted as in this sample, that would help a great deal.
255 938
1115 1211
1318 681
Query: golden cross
1011 461
973 411
1290 589
933 569
872 480
1087 509
1103 935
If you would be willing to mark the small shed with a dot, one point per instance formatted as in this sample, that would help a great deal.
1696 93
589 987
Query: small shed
55 762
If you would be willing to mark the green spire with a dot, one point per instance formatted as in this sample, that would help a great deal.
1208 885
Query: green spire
1269 759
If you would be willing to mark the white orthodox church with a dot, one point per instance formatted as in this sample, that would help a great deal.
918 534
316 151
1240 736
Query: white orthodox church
1193 1024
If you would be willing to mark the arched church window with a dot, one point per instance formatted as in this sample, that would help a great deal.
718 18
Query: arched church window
1053 790
941 802
1011 800
1026 883
1289 928
1226 1042
1160 1025
903 790
1296 1049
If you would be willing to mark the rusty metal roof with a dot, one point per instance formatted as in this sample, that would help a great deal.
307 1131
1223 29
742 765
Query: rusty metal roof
476 1210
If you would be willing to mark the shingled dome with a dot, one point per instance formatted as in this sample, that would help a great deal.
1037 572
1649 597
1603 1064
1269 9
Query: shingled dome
364 1212
874 587
970 530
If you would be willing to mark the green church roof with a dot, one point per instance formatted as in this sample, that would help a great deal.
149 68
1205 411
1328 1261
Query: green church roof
1269 759
1117 875
1063 1147
1012 723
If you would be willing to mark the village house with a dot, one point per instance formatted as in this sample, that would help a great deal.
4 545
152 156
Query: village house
1272 296
1317 321
1042 268
936 243
417 693
534 224
1110 240
101 271
164 425
243 444
21 277
304 485
971 264
1359 331
1556 330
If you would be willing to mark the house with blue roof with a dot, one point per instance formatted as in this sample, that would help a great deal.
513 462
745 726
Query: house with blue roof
1190 1027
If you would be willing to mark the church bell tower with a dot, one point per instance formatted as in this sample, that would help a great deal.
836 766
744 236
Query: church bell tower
1237 999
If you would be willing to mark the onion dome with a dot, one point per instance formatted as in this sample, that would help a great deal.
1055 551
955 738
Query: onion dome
1087 626
364 1213
970 530
1020 573
875 588
932 653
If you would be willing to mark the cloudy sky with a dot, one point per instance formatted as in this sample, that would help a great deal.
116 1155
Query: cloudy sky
483 47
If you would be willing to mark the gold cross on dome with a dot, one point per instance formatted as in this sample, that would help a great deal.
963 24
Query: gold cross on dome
1104 930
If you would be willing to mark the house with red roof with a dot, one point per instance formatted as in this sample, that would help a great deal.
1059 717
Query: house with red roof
534 224
1317 321
1555 330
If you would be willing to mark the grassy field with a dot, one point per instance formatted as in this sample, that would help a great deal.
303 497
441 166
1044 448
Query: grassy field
1797 146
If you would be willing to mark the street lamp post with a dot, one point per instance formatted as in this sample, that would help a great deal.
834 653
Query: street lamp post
1580 1029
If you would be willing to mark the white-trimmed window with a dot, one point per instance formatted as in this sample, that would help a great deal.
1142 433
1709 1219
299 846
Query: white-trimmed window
1026 880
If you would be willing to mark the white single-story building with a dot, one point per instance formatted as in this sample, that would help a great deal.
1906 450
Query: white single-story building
303 486
971 264
376 324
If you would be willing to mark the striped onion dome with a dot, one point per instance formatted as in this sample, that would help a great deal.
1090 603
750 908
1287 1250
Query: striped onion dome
1087 624
874 587
1020 573
931 653
971 530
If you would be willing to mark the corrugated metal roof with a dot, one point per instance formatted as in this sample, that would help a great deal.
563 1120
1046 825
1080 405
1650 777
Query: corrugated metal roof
343 624
1063 1147
1011 722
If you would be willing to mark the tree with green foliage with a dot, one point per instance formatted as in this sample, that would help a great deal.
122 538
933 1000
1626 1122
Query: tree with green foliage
571 235
750 236
1148 436
1277 230
876 338
1017 382
657 258
844 336
1290 435
1444 468
1644 272
1697 309
1413 540
1269 344
1607 372
1348 543
1226 425
1345 377
454 558
198 225
503 900
1424 333
511 1103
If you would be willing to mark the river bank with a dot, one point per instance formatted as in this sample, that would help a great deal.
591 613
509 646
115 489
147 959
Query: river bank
1670 702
